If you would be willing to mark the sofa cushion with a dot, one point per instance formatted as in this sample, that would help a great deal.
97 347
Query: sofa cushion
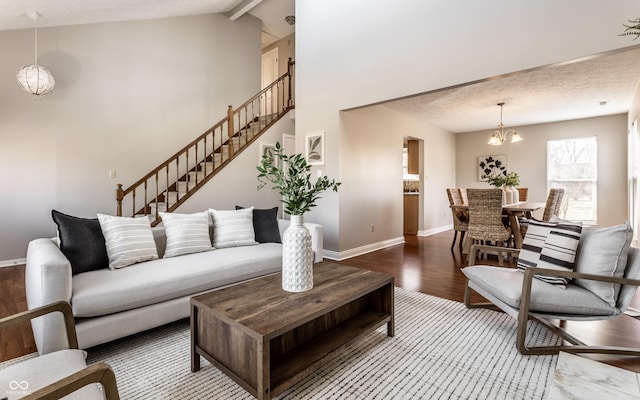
186 233
506 285
232 228
603 251
81 241
550 245
101 292
18 380
265 225
128 240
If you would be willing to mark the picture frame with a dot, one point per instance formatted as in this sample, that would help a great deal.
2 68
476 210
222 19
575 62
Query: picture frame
266 149
491 165
314 148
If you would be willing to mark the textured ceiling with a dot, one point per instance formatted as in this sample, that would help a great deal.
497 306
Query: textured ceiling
557 93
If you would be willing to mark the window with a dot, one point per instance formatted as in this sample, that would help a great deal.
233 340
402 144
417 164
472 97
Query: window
572 165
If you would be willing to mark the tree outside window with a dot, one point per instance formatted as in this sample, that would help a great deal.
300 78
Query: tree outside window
572 165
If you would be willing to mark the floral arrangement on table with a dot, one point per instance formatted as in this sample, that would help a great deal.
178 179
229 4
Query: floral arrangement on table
510 179
291 176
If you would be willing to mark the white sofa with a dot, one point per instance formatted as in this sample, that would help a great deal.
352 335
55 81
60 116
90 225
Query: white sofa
110 304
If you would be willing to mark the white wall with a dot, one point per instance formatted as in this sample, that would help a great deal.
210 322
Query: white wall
128 95
354 53
371 160
529 159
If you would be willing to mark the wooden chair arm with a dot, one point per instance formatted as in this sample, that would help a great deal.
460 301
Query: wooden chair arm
530 272
59 306
97 373
473 252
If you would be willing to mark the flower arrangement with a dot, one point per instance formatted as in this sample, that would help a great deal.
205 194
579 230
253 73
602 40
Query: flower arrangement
503 179
291 176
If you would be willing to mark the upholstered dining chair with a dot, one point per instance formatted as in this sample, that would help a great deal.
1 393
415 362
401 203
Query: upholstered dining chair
460 217
485 218
601 285
62 373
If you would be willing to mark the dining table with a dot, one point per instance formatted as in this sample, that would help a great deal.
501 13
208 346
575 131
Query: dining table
514 211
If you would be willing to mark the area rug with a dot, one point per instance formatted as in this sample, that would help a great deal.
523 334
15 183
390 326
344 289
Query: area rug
441 350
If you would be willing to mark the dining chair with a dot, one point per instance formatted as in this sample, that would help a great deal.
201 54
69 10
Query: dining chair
554 200
485 218
551 208
460 217
523 194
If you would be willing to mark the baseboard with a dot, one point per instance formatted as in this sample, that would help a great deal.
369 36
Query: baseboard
13 263
434 231
343 255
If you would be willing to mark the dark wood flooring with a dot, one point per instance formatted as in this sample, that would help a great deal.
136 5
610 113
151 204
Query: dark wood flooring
423 264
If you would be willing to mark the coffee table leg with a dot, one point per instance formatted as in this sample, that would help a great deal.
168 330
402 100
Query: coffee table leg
195 357
391 325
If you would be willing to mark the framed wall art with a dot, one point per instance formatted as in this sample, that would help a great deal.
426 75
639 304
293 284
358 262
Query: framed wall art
266 149
314 148
491 165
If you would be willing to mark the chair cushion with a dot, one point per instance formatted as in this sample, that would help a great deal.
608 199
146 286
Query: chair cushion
603 251
550 245
29 375
233 228
186 233
81 241
506 285
128 240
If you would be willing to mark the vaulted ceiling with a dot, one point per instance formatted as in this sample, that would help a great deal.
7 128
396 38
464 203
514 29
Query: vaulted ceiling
594 86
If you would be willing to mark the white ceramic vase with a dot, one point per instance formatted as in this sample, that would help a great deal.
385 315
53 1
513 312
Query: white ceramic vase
516 194
507 197
297 257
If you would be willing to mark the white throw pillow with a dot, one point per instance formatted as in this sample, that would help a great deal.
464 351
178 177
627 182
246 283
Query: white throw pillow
128 240
232 228
186 233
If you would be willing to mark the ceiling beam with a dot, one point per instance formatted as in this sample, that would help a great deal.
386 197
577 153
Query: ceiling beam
242 8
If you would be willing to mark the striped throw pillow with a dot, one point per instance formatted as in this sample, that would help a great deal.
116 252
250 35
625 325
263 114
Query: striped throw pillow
550 245
128 240
232 228
186 233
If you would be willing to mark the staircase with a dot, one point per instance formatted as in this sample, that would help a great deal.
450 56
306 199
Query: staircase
172 182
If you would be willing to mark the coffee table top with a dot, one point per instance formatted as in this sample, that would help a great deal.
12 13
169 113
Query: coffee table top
262 308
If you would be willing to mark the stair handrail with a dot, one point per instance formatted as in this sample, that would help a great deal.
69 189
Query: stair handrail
231 132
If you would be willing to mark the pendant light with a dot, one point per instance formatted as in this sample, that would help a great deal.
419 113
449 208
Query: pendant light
34 78
500 135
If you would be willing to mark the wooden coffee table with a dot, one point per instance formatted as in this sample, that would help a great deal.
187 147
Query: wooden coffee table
267 339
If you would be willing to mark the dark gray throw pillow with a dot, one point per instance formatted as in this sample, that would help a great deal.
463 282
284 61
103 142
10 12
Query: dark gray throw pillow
82 242
265 225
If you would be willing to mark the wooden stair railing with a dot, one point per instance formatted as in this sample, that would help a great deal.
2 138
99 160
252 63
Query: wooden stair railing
171 183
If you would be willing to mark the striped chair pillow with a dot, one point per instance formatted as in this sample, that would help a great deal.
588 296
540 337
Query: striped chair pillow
186 233
550 245
232 228
128 240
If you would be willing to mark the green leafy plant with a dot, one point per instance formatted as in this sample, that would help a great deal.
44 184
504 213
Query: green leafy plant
633 29
496 180
291 176
512 179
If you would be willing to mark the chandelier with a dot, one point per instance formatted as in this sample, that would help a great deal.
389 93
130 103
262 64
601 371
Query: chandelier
500 135
34 78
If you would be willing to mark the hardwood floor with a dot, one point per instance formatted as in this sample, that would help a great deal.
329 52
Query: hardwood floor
423 264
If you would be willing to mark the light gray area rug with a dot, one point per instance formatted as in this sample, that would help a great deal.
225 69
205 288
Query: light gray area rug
441 350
